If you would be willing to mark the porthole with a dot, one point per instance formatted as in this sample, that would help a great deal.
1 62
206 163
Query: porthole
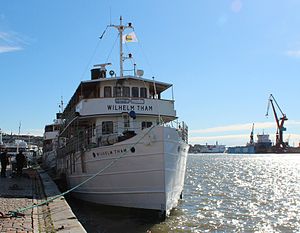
132 149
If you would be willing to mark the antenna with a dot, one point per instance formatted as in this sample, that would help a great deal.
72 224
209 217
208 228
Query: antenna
110 15
19 127
121 29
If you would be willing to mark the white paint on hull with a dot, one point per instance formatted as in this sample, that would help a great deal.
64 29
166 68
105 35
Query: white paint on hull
151 177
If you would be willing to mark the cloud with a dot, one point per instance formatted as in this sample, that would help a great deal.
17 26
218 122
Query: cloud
5 49
237 127
228 140
293 53
232 135
294 139
220 137
292 122
9 38
36 132
240 139
236 6
11 42
29 132
240 127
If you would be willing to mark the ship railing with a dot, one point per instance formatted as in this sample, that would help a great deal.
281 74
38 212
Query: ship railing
117 133
68 116
71 146
90 137
182 130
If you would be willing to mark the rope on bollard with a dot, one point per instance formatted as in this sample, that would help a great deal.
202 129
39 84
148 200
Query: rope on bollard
16 214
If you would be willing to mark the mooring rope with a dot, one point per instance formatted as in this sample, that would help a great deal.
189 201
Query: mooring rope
18 212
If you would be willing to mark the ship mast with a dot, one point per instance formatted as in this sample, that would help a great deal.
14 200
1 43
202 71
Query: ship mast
121 29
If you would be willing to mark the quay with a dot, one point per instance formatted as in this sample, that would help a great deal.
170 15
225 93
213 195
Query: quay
19 197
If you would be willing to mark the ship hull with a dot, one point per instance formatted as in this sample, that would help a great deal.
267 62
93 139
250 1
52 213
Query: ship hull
146 171
49 159
241 150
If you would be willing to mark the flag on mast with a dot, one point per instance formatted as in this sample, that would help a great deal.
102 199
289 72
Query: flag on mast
130 37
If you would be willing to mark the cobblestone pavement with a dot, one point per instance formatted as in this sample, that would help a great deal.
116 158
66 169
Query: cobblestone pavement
17 193
34 188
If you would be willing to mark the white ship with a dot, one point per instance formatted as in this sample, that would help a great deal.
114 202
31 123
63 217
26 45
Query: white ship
14 146
50 143
197 148
123 145
262 145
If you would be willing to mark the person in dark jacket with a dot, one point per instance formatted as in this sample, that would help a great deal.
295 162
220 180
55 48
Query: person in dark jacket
4 162
20 159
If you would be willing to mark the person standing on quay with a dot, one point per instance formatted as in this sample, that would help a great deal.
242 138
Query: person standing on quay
20 158
4 162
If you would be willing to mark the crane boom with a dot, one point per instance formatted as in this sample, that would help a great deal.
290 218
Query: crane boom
279 122
251 135
275 114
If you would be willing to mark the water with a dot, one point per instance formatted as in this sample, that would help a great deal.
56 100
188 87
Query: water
223 193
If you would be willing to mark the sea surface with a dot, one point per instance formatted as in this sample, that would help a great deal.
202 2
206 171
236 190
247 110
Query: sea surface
222 193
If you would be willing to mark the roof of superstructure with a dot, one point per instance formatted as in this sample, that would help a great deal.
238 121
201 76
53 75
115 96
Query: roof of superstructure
159 86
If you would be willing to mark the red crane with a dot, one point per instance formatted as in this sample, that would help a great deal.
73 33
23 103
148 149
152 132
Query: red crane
279 122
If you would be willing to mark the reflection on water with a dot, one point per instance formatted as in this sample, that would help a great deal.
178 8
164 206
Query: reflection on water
223 193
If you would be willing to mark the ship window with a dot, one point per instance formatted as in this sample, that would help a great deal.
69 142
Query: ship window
135 92
146 124
143 92
117 91
107 91
48 128
126 121
73 162
126 91
107 127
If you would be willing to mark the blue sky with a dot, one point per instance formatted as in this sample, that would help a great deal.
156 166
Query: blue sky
224 57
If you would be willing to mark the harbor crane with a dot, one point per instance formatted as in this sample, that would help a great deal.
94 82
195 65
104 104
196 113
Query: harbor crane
279 122
251 135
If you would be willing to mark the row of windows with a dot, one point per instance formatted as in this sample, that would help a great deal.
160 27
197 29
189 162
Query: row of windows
51 128
108 126
125 92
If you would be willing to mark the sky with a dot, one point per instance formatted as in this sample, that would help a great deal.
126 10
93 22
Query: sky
224 58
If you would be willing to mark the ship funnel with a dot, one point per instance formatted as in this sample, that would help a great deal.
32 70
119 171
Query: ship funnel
95 73
99 71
